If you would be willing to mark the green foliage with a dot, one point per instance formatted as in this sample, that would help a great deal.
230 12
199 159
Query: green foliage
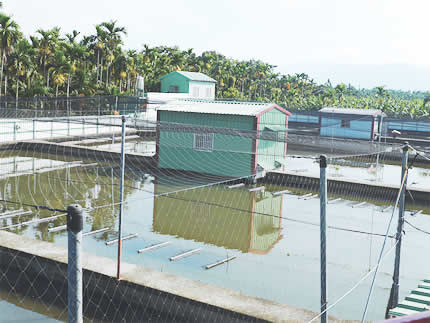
50 64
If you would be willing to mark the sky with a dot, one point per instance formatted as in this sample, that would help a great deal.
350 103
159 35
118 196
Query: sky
363 42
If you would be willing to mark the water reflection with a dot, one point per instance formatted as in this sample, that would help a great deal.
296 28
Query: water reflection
57 183
234 219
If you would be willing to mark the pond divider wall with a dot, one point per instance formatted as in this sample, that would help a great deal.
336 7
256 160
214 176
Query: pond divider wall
342 187
38 269
348 187
83 152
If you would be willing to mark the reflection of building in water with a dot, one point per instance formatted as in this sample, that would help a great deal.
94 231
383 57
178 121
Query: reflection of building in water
234 219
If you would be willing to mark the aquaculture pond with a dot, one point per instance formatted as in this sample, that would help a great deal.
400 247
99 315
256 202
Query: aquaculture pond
367 168
24 311
275 238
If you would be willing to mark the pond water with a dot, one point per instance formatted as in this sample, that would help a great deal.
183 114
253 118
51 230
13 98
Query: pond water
373 169
275 237
19 313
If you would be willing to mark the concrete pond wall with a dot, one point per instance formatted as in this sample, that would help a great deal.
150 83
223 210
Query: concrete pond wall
38 270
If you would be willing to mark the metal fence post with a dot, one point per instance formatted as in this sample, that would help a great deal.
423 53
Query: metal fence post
323 225
34 129
74 267
121 195
400 226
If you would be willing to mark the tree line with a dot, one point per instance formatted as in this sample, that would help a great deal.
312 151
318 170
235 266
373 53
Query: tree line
52 63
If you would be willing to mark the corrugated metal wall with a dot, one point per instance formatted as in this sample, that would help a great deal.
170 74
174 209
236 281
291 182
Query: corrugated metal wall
332 127
175 79
231 155
270 151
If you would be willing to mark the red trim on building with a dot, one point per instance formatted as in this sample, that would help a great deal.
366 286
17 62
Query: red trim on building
286 135
255 151
275 106
259 252
157 141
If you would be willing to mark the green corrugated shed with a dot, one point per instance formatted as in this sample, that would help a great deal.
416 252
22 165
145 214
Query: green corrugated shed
197 84
219 137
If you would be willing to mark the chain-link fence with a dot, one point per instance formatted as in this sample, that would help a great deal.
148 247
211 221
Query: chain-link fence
236 236
70 106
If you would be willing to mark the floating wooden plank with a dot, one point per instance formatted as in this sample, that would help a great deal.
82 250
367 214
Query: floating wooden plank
185 254
281 192
89 165
334 200
95 232
14 214
220 262
130 236
236 185
359 204
59 228
153 247
417 212
64 166
311 197
260 188
304 196
51 218
11 212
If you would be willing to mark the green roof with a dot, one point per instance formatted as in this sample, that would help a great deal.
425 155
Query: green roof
192 76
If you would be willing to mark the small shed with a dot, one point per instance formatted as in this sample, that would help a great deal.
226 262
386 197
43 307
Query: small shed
350 123
197 85
224 138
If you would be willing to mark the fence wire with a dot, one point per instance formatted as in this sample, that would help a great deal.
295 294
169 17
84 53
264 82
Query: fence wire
222 206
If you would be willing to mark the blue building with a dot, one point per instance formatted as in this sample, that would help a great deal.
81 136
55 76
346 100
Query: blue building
350 123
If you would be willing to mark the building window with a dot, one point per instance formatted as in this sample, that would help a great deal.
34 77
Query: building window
196 92
203 141
173 89
345 123
208 92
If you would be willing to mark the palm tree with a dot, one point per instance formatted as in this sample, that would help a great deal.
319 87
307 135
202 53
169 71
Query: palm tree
21 58
99 45
47 46
9 35
113 39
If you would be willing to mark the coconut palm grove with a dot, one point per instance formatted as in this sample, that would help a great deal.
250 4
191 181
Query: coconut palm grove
58 63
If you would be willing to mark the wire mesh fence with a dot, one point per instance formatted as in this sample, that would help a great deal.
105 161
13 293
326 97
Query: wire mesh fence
70 106
238 221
